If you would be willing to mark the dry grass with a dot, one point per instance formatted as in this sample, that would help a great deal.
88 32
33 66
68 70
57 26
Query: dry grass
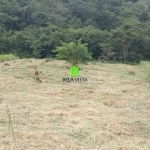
110 112
146 67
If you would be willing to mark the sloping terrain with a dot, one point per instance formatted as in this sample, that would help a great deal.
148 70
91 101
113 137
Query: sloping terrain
109 112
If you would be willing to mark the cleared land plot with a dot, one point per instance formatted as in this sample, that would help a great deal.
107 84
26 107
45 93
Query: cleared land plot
109 112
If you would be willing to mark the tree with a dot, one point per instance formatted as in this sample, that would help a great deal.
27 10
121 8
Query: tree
72 52
107 52
123 36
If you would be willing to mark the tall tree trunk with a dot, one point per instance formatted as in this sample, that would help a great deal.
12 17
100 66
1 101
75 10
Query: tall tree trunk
126 50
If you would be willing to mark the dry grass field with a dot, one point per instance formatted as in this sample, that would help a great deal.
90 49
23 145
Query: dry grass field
109 112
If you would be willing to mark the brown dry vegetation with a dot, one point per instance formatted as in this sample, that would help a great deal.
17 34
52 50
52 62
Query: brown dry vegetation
109 112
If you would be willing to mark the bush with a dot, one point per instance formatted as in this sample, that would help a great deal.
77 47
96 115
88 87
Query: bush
74 53
134 57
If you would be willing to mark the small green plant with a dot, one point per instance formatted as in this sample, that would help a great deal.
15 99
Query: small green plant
10 127
7 57
146 66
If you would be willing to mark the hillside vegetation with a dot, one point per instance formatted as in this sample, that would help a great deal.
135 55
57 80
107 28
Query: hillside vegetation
116 30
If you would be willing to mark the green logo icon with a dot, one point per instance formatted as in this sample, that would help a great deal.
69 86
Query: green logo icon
74 71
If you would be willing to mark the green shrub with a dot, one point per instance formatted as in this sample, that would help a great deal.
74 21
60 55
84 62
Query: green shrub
74 53
135 57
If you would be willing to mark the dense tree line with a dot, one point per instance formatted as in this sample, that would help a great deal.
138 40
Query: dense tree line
114 29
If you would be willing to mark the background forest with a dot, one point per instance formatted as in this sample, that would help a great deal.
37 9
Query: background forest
115 30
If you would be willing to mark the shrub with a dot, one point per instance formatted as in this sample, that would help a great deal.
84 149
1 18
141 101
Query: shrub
72 52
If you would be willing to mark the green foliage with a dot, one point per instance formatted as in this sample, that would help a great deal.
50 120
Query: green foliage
7 57
127 42
107 52
90 35
113 29
72 52
37 42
